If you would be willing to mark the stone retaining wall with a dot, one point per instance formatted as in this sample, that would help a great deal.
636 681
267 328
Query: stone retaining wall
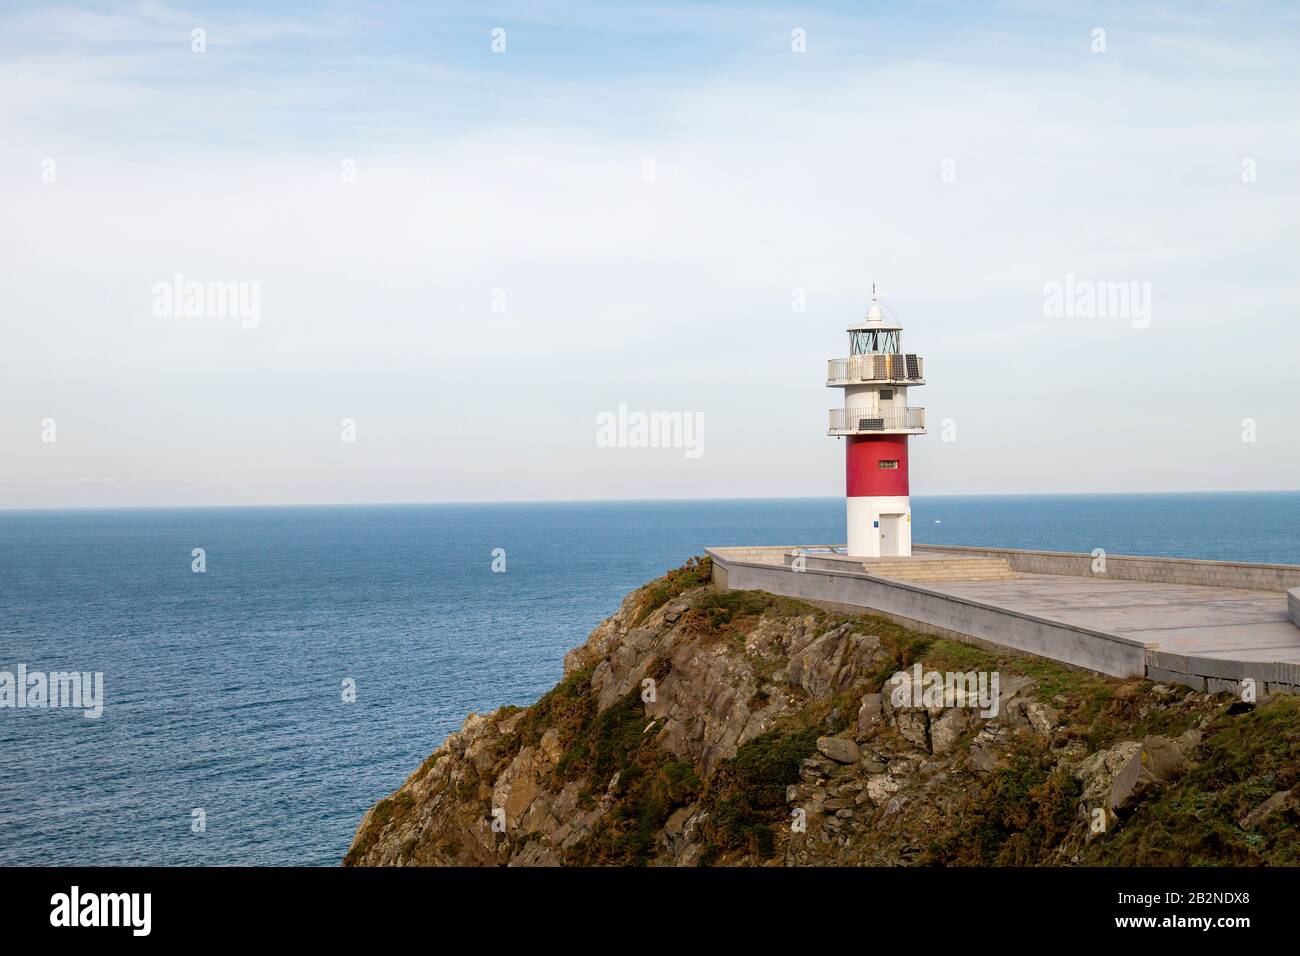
1120 567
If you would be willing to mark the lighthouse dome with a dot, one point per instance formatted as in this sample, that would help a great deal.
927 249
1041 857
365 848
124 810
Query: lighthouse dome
876 319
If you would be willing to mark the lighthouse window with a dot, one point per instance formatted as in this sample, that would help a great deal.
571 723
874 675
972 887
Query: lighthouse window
889 464
873 341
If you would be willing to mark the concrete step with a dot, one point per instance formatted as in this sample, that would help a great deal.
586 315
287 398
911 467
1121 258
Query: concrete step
932 562
952 575
964 579
928 562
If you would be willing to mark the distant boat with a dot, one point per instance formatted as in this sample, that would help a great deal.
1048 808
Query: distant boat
937 521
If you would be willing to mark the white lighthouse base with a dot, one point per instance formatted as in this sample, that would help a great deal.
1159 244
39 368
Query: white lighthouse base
880 527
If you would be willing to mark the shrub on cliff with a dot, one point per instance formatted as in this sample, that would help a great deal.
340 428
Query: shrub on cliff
746 796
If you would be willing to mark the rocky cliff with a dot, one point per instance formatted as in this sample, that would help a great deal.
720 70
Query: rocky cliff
705 727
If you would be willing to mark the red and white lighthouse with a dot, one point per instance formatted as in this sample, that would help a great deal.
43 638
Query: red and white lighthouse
875 422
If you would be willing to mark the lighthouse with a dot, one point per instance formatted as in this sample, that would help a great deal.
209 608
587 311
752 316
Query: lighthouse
875 423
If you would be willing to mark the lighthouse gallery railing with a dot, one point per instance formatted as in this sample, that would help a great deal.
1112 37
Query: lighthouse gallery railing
853 420
876 367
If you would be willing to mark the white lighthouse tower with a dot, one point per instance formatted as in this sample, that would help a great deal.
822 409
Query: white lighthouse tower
875 422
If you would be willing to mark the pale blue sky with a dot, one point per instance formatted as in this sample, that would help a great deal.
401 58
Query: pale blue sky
523 171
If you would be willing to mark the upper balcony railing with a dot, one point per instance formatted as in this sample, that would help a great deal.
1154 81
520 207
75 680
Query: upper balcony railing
866 421
903 369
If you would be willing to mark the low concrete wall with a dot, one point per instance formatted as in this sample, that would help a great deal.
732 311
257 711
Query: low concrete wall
773 554
1119 567
927 610
1293 606
825 562
1215 674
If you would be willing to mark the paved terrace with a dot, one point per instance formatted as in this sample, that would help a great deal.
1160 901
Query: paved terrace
1206 635
1177 618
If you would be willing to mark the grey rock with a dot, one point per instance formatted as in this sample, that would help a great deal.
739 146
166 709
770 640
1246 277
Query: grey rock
914 726
1014 712
830 664
1279 801
946 731
839 749
1098 771
1156 762
1041 718
870 713
988 749
871 763
1012 686
881 787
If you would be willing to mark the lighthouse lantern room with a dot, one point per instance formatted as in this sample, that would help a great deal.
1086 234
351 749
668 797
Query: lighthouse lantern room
875 422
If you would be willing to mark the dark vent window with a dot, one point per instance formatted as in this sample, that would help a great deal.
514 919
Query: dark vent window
886 393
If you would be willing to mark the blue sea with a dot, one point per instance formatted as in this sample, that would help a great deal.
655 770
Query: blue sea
224 690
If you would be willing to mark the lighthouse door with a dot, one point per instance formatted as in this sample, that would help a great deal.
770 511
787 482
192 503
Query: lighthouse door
889 535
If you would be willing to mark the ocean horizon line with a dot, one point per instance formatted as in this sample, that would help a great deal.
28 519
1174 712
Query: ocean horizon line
453 502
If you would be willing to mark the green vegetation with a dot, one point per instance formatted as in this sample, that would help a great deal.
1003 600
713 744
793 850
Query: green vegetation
733 613
946 655
695 573
605 744
595 747
389 810
746 796
1102 712
1015 818
1242 761
568 708
650 787
1019 815
1055 679
650 784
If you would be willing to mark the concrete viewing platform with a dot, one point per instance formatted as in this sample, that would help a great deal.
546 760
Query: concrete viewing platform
1207 624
